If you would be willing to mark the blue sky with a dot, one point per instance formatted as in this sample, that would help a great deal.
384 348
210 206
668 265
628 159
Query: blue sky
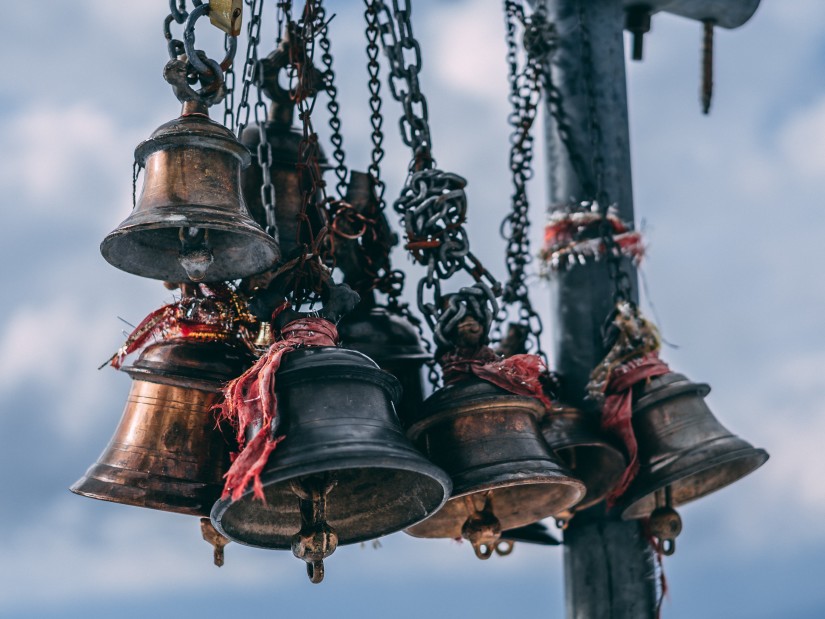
731 206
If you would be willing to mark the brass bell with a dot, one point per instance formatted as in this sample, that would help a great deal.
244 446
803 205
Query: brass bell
191 222
504 475
393 343
344 472
167 453
684 452
594 459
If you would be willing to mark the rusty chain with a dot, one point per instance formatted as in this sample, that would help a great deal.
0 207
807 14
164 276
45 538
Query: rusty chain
524 98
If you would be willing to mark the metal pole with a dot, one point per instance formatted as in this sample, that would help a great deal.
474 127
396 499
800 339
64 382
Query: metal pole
609 566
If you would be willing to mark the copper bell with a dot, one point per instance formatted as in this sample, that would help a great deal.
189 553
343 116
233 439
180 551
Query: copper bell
594 459
167 453
344 473
393 343
191 222
504 476
684 452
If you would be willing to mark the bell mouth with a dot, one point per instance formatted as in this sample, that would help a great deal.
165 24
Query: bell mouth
373 497
148 244
691 480
513 504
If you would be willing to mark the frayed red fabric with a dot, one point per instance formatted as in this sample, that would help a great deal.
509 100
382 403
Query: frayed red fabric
518 374
617 411
250 401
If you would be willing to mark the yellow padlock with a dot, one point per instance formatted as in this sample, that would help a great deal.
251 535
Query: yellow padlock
227 15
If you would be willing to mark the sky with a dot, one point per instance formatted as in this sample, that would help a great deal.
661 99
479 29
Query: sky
731 209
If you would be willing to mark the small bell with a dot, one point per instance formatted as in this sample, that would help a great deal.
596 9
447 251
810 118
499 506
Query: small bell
191 222
166 453
593 457
344 472
504 476
393 343
683 449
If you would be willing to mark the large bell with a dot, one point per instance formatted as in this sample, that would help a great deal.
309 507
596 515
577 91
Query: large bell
504 475
166 452
594 459
393 343
191 222
343 465
684 452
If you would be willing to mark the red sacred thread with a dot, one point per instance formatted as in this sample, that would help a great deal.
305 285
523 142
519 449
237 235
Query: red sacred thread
618 411
250 401
663 589
518 374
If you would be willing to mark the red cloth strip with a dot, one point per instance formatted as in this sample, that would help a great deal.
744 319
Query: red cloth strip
250 400
617 411
518 374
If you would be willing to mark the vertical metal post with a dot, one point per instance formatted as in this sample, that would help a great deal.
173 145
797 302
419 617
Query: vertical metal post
609 566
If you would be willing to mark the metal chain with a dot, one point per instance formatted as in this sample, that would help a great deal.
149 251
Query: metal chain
524 97
433 203
253 31
332 103
375 102
396 38
229 99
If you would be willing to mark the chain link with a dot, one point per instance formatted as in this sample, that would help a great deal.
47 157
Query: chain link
333 107
229 99
253 31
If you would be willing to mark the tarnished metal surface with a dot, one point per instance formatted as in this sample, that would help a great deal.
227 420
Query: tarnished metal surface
488 441
226 15
594 459
682 446
166 453
336 411
192 182
726 13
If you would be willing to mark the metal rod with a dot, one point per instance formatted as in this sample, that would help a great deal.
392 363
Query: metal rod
609 565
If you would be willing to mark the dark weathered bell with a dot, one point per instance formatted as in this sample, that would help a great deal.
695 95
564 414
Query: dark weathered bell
191 222
166 452
684 452
594 458
344 472
393 343
287 182
504 475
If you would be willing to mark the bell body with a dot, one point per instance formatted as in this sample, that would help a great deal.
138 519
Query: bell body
336 412
287 181
488 441
682 446
393 343
167 453
192 182
593 458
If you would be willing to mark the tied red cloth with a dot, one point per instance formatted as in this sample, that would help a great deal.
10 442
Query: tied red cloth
250 400
618 410
519 374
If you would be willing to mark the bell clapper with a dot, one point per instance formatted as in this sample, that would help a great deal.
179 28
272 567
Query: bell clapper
563 519
195 256
316 540
504 547
218 541
665 524
482 528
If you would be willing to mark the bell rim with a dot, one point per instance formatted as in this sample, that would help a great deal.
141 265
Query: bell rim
91 487
110 244
422 466
760 457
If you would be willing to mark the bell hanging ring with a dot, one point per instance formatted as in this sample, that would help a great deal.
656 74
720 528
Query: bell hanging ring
683 449
190 222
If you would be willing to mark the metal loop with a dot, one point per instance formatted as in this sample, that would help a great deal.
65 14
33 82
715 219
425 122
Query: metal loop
204 68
